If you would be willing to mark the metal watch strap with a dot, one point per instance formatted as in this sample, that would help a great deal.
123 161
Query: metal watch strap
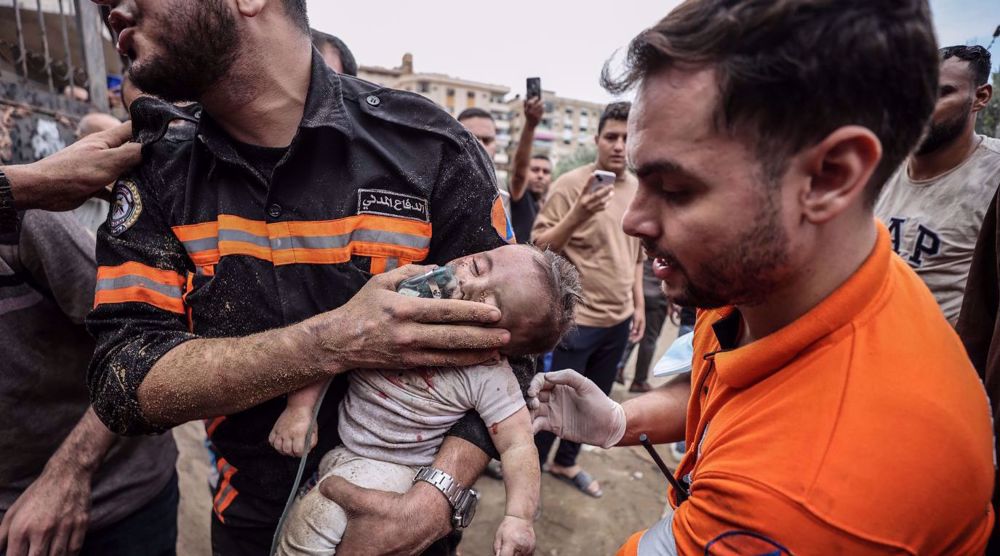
444 482
8 213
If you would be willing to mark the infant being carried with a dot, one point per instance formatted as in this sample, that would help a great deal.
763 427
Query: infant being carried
393 422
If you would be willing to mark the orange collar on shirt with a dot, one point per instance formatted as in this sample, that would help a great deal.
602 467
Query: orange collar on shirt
756 361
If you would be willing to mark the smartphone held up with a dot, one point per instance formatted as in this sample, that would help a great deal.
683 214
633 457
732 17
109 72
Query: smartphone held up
534 87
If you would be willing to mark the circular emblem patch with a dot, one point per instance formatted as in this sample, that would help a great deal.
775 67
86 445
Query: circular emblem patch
126 207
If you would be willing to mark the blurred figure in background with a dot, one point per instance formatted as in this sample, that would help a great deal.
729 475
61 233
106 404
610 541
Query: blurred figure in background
935 202
531 176
335 53
582 219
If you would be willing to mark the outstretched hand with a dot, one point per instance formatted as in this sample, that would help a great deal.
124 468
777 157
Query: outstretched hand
572 407
534 109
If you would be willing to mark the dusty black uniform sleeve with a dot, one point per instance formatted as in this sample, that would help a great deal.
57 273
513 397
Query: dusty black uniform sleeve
139 312
468 217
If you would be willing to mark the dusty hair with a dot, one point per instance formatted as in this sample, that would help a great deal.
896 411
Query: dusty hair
562 282
790 72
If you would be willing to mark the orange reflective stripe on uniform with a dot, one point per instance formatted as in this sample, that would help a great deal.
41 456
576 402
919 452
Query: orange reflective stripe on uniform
299 242
201 242
212 424
226 493
137 283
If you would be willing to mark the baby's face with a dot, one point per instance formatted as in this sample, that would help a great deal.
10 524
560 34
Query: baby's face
508 278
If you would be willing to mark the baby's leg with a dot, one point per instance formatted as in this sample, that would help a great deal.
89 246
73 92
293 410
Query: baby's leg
315 523
288 435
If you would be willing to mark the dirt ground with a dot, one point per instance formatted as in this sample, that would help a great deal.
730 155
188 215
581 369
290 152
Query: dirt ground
571 522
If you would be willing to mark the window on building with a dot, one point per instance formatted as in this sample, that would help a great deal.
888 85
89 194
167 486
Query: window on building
424 86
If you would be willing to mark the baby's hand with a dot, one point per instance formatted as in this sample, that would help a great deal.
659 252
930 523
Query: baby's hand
288 436
515 537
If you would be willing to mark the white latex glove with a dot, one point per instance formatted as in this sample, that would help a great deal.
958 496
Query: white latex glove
574 408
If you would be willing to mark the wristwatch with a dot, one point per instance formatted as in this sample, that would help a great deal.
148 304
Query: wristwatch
8 214
463 500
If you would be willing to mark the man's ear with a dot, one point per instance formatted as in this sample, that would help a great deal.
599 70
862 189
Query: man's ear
839 169
983 95
250 8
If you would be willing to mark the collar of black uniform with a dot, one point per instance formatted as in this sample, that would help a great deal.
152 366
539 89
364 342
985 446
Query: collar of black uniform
324 108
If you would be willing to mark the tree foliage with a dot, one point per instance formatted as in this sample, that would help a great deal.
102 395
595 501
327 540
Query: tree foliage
584 154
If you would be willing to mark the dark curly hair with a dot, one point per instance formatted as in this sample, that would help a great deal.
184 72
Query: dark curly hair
977 57
614 111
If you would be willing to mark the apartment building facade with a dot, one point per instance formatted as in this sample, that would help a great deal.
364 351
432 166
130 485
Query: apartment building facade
568 124
454 94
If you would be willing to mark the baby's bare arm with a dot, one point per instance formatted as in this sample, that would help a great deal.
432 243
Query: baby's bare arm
290 434
307 396
521 474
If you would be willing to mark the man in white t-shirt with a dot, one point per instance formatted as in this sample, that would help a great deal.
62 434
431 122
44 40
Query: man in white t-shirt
935 203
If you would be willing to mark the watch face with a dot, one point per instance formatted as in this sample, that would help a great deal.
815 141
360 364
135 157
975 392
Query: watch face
465 510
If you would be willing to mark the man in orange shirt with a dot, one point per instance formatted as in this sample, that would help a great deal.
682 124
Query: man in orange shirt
831 409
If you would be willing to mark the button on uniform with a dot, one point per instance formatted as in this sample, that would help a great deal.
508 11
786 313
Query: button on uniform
373 100
274 210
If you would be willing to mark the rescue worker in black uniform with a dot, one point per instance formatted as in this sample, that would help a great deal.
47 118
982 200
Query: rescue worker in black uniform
233 272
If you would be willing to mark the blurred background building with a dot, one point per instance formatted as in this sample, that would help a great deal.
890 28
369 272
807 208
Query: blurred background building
49 49
566 132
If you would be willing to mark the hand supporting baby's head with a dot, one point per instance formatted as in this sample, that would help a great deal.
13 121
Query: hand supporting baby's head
536 292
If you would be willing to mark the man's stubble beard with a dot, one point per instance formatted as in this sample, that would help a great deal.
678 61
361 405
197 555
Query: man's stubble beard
750 270
945 133
198 46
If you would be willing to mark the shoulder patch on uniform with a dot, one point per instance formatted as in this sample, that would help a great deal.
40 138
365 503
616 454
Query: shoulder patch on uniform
390 203
125 208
